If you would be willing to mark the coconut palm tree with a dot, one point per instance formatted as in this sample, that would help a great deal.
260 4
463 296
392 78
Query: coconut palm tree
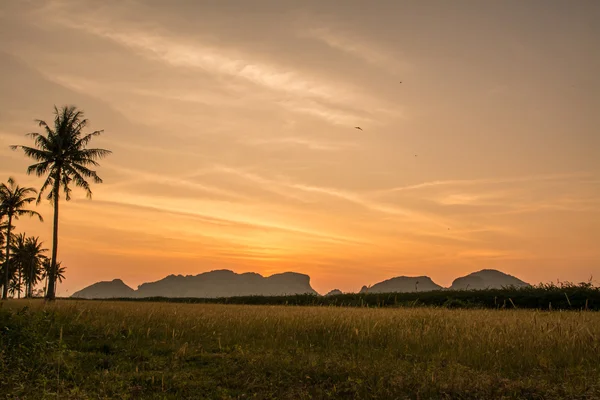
61 154
18 259
14 287
60 273
28 258
33 265
13 200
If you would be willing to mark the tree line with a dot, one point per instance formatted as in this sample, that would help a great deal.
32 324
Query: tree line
62 157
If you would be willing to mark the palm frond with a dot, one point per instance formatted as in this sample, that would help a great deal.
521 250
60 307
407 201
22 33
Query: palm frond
61 153
94 154
88 173
65 180
48 182
43 124
80 180
36 154
29 213
86 139
39 169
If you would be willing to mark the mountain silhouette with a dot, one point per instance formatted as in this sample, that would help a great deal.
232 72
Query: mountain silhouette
486 279
226 283
219 283
106 290
403 284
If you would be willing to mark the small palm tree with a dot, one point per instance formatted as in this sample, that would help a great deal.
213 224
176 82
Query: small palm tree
18 259
14 287
62 155
13 200
33 265
28 258
60 273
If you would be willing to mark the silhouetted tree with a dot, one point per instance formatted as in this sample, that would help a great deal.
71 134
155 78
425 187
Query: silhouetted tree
33 266
13 200
14 287
28 258
17 249
61 154
60 273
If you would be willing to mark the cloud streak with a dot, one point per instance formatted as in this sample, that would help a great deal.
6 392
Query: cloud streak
357 47
486 181
294 141
185 52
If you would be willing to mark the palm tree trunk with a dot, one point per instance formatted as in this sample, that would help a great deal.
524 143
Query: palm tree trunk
50 294
7 259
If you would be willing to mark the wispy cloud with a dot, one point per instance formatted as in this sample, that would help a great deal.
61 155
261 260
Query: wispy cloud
248 222
479 199
143 176
311 144
285 185
357 47
493 254
332 114
473 182
187 52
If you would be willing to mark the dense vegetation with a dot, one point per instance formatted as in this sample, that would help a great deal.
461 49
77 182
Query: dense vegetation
126 350
566 296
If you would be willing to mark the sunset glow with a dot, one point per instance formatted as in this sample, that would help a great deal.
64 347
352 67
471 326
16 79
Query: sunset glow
232 128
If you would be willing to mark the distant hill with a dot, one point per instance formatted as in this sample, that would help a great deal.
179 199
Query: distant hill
403 284
105 290
219 283
226 283
486 279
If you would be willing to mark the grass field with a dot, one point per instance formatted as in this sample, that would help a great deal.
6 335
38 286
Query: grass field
123 350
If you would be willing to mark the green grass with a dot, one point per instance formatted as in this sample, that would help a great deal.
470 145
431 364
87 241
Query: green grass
127 350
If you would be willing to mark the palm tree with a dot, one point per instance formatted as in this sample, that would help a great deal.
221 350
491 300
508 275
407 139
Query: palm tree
33 266
17 248
61 154
28 258
3 229
13 200
60 273
14 287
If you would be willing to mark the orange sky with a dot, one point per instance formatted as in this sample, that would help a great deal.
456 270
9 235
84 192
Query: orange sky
232 128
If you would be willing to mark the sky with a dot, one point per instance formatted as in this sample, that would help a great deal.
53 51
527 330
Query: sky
232 127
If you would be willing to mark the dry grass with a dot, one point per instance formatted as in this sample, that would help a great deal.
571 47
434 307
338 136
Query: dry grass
162 350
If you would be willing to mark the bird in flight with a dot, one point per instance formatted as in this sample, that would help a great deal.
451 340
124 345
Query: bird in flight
358 127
